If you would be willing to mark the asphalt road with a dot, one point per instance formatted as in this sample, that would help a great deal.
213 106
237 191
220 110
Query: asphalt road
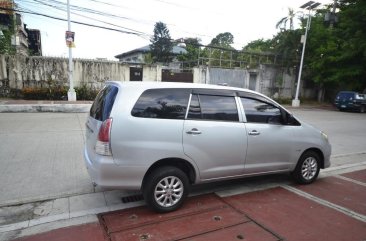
41 153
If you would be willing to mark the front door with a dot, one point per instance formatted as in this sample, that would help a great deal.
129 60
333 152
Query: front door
270 143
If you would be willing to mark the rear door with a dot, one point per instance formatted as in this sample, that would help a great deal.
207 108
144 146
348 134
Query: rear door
213 136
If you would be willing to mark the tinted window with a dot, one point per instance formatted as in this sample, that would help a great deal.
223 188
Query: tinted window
210 107
261 112
162 104
103 103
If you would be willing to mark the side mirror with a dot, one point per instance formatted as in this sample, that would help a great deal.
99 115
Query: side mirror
291 120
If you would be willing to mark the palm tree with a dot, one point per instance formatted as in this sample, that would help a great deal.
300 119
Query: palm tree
290 17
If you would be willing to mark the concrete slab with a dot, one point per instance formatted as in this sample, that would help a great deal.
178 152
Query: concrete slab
340 192
358 175
296 218
87 202
47 227
86 232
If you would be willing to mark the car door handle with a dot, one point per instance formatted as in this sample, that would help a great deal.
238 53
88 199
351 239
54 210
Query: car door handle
194 131
254 133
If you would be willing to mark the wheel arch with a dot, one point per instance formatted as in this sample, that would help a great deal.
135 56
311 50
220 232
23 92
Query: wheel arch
179 163
317 151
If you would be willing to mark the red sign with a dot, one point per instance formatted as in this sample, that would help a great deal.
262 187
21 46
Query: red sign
70 37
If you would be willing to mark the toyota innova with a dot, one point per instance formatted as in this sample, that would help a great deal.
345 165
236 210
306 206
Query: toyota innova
161 138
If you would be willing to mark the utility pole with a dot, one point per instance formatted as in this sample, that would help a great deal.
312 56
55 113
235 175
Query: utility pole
310 6
71 95
333 15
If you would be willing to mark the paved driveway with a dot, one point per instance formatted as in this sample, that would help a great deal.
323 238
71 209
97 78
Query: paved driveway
41 156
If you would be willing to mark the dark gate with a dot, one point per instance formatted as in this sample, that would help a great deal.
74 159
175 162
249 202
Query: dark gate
135 74
171 76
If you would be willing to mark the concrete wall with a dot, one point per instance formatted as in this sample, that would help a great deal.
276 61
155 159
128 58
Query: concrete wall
270 80
17 72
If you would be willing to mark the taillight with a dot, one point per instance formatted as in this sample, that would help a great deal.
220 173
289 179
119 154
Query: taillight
103 147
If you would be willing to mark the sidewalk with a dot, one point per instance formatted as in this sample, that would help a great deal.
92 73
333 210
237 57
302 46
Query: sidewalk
9 105
332 208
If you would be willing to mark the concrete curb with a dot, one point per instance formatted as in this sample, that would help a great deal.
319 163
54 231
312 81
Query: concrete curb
32 108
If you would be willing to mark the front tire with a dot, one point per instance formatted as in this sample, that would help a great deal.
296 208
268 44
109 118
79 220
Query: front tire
307 169
165 189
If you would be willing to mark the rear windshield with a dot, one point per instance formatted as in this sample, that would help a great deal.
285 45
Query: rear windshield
103 103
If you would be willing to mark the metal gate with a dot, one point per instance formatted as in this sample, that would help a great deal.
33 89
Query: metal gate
173 76
135 74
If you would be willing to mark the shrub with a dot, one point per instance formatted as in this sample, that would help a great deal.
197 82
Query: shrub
85 93
52 93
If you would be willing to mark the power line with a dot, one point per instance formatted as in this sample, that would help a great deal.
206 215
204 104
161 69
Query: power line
115 25
92 11
76 22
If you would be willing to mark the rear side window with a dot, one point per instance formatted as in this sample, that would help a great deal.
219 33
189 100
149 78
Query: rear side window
162 104
211 107
261 112
103 103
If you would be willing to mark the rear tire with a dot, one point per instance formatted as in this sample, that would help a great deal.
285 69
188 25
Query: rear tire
307 168
165 189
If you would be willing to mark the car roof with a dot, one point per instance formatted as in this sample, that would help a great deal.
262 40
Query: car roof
157 85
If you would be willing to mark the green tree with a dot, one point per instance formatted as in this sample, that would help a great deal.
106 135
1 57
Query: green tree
220 51
336 57
190 59
287 46
259 45
161 45
5 40
289 18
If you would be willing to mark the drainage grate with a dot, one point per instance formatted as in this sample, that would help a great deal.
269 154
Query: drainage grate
133 198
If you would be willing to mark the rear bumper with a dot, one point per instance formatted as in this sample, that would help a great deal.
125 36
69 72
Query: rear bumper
106 174
349 106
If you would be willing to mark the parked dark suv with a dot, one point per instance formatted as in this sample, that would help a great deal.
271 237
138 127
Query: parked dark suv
350 100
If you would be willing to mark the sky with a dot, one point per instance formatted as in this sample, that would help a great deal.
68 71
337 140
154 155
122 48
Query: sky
204 19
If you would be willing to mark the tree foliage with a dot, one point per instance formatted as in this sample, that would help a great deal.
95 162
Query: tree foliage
259 45
161 45
289 18
5 41
336 57
218 51
190 58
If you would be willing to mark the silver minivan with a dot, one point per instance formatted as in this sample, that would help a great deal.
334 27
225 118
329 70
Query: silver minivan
161 138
